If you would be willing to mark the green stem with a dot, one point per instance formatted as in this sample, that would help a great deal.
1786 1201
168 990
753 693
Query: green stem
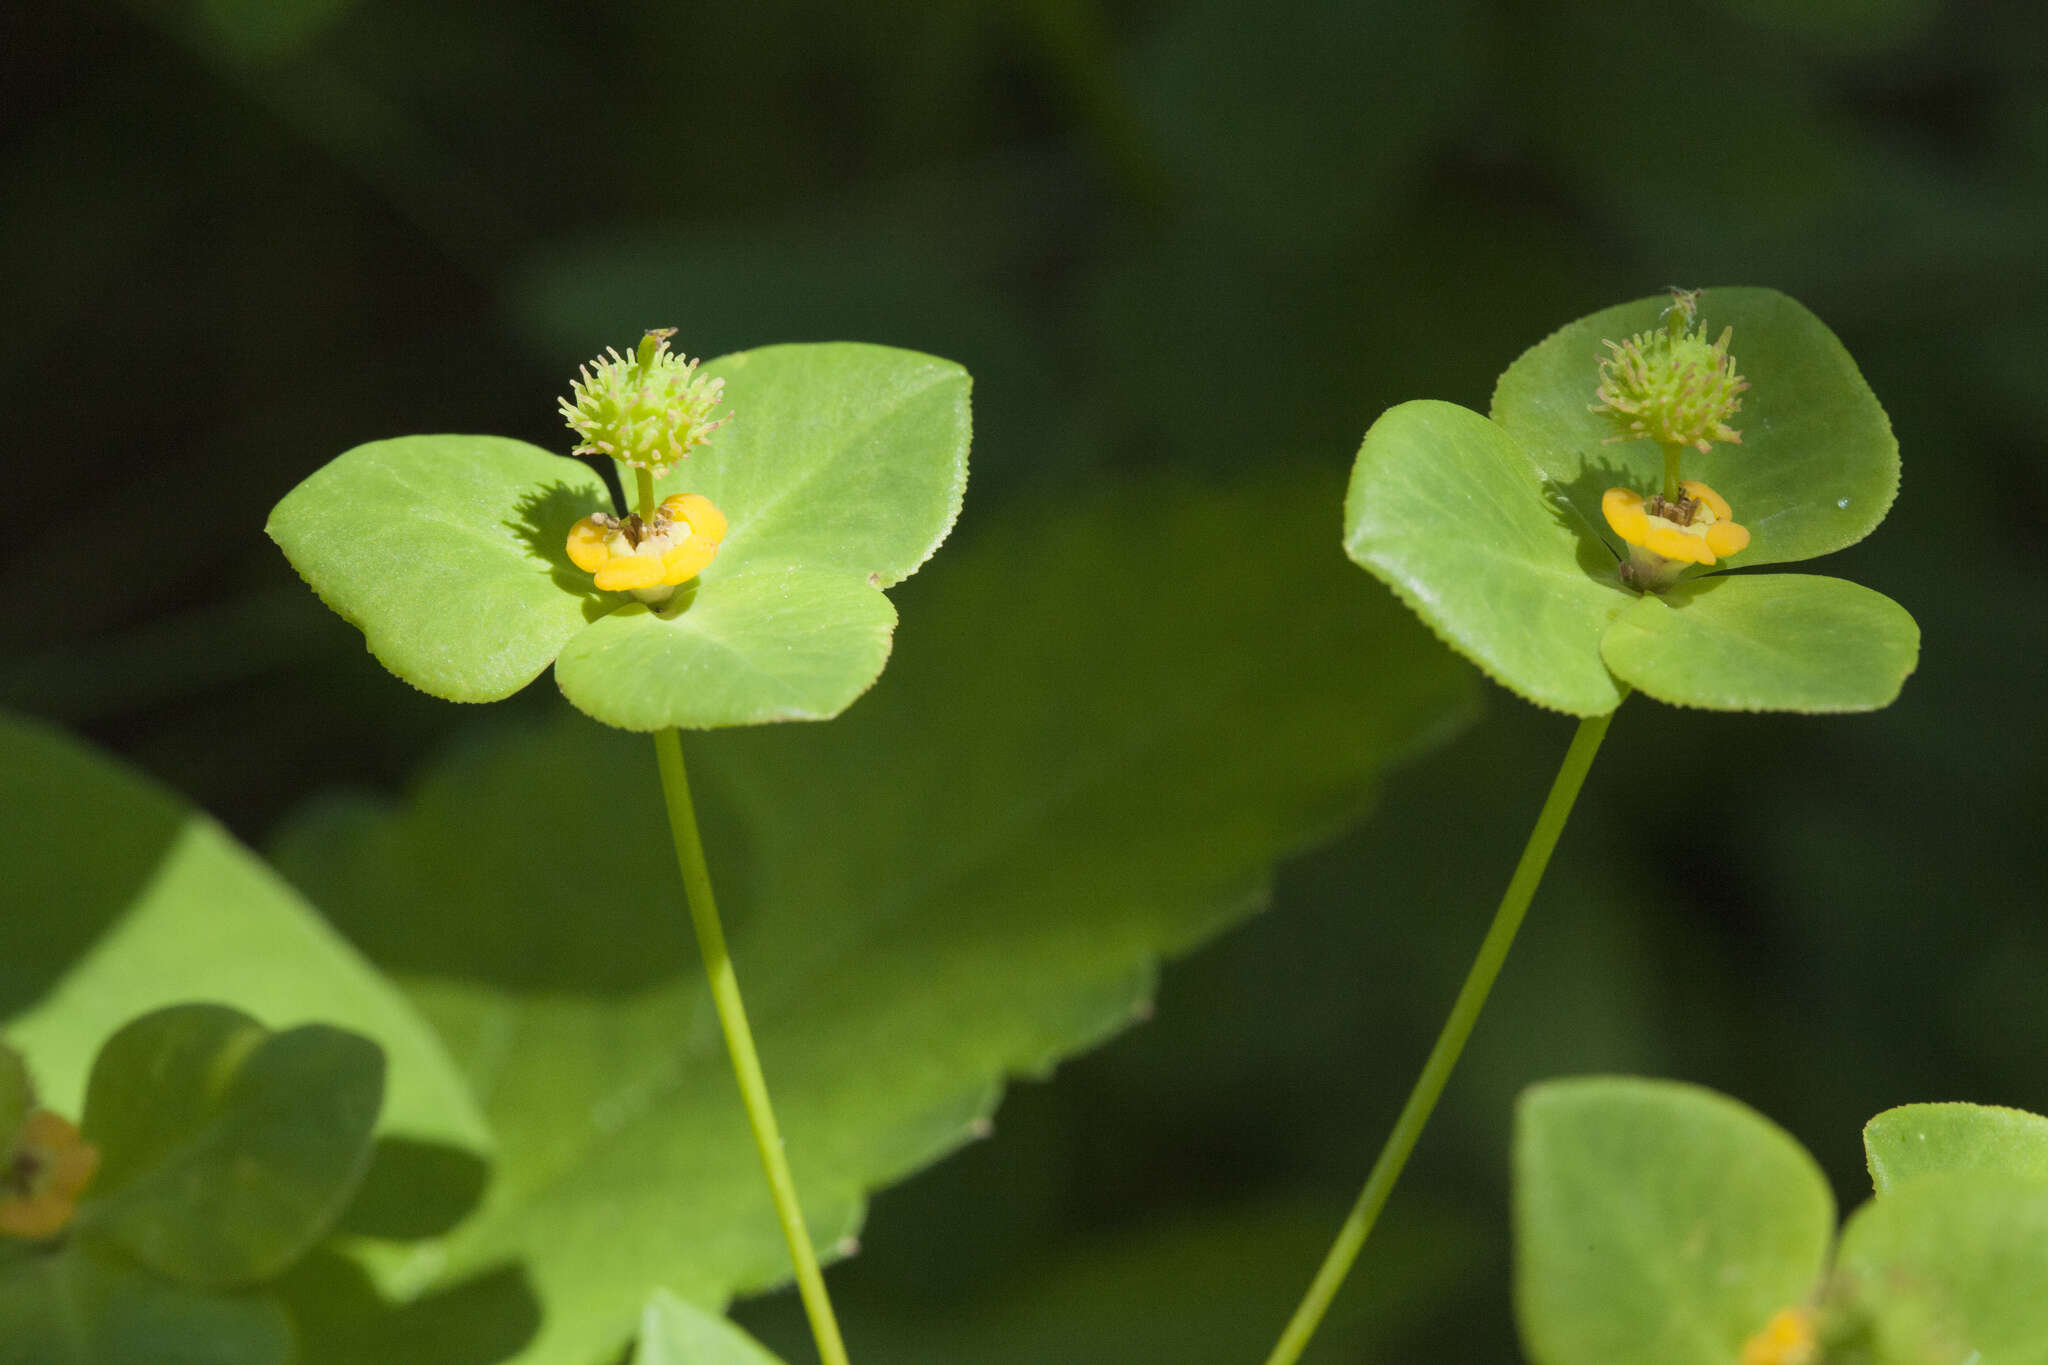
1672 456
1493 952
739 1040
644 485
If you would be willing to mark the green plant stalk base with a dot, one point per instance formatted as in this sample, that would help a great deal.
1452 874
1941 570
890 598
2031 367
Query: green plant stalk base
1450 1043
739 1039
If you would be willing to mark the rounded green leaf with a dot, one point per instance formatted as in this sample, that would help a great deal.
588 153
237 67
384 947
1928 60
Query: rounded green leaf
1957 1260
449 553
227 1150
745 648
1765 642
1451 513
1918 1139
674 1331
74 1307
1817 467
1657 1222
839 457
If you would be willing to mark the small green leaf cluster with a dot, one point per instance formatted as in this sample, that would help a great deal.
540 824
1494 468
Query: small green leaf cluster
1660 1221
1490 527
225 1152
840 471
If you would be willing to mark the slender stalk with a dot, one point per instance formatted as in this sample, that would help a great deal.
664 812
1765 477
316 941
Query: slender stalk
739 1040
643 480
1436 1072
1672 456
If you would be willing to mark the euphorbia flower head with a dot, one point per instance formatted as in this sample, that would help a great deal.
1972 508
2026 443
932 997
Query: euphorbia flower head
1671 385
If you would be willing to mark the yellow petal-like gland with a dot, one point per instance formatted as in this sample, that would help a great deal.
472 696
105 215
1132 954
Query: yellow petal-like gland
1623 509
1666 539
587 548
623 573
1787 1339
1692 488
63 1164
1725 538
703 516
687 560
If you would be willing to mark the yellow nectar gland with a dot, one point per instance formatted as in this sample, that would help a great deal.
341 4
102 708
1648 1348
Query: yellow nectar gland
1666 536
649 559
44 1171
1787 1339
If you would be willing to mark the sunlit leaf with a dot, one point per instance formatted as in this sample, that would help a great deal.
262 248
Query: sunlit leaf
1956 1259
674 1332
1657 1222
1765 642
1918 1139
1448 511
1817 467
448 552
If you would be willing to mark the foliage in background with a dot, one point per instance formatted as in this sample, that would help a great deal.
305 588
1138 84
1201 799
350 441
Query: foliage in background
1173 237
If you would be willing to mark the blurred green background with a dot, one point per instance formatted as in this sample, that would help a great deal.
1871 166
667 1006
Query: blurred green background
240 236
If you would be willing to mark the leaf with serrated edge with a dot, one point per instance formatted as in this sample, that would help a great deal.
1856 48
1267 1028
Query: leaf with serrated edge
1447 510
970 876
1817 467
1765 642
449 553
1918 1139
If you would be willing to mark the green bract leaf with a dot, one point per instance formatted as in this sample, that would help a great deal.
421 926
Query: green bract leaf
971 876
123 899
449 552
673 1332
227 1150
761 645
1765 642
841 472
1917 1139
1657 1222
838 457
1817 467
1953 1263
73 1307
1448 511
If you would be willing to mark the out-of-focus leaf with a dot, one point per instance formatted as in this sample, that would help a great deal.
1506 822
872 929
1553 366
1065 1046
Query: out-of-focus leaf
970 876
1658 1222
1919 1139
227 1150
1765 642
17 1092
675 1332
1956 1260
123 899
73 1307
